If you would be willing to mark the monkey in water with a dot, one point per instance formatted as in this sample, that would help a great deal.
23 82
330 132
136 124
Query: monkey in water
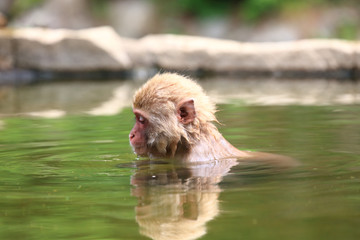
175 119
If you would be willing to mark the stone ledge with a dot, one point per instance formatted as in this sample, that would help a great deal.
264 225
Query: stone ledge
102 49
192 53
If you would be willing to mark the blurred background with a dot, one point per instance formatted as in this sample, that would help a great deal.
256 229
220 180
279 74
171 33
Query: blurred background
65 117
243 20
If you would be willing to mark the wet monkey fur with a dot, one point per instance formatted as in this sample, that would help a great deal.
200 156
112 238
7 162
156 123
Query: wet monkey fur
175 119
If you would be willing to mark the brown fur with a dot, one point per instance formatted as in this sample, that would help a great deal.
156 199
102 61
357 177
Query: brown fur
159 97
167 136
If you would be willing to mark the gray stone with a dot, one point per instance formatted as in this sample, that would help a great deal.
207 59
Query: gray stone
192 53
57 14
67 50
6 53
103 49
140 13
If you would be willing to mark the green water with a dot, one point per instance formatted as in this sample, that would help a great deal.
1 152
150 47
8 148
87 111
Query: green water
75 177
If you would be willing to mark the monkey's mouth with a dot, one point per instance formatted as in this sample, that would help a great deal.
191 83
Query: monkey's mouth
140 150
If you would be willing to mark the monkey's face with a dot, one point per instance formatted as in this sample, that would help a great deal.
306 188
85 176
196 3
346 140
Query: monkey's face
154 134
157 133
138 135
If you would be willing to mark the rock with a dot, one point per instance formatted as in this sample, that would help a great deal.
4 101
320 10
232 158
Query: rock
140 13
17 76
70 50
101 48
192 53
57 14
6 53
214 27
274 31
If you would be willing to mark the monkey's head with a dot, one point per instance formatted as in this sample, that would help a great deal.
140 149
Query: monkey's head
170 111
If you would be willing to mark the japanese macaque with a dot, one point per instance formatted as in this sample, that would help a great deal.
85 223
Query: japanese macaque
175 119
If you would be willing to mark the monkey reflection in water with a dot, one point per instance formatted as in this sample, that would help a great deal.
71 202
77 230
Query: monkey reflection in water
174 120
174 201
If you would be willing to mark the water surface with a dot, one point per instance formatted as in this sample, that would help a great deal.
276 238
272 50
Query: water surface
75 177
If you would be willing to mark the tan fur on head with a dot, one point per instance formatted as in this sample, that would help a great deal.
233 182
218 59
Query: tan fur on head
160 96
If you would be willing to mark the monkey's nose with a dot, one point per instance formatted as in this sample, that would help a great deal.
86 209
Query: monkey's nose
131 136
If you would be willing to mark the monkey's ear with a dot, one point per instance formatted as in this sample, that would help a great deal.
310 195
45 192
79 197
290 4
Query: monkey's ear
185 111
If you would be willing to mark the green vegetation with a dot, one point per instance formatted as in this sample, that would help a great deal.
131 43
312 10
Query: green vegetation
24 5
99 7
347 30
255 10
248 11
203 8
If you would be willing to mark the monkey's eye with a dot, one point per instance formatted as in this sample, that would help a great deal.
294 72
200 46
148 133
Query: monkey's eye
141 119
